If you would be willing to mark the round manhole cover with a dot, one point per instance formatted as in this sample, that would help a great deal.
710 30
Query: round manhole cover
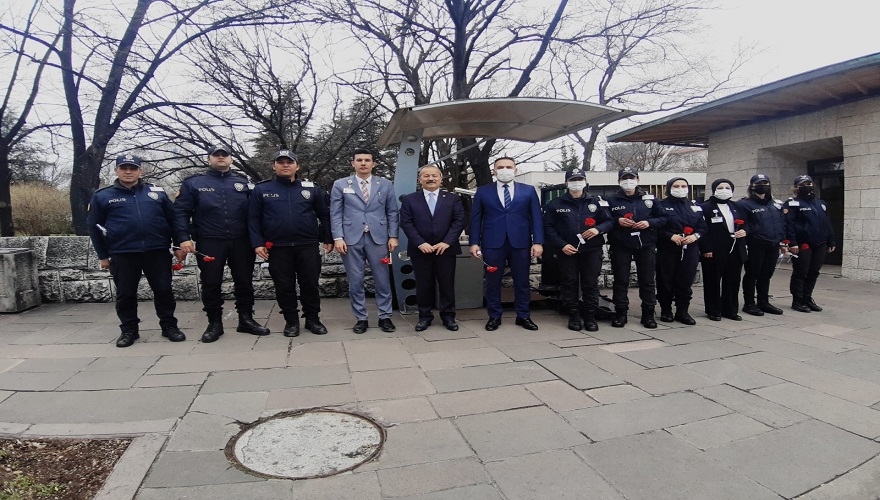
304 444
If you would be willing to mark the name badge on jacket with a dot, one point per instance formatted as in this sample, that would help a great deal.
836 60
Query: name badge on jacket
348 190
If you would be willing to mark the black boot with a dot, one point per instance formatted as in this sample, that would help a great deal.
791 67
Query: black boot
666 314
291 328
590 323
126 339
574 321
682 316
214 330
769 308
315 326
798 304
619 317
246 324
808 300
648 317
173 334
752 309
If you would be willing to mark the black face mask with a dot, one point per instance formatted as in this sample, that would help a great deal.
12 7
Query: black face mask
805 191
761 189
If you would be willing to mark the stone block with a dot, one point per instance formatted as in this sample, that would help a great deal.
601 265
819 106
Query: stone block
86 291
752 406
427 478
50 286
264 290
555 474
328 287
481 377
19 284
421 443
719 431
333 270
195 468
390 384
185 287
67 251
482 401
579 373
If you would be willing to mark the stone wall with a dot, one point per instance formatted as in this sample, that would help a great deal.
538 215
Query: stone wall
70 271
781 148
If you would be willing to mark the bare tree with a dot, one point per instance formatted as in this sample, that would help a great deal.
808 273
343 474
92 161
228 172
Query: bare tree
25 70
630 54
424 51
119 72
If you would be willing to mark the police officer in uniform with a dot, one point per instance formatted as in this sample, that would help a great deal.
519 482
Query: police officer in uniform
810 236
574 225
678 252
211 212
637 217
723 252
765 230
130 225
286 212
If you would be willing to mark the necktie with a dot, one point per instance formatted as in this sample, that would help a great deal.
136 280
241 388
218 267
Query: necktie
365 191
432 202
506 196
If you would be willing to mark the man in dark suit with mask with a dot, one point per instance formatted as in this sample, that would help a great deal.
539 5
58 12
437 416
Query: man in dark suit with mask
432 220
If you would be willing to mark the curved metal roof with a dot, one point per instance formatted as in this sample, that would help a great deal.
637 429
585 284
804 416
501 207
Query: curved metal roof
528 119
817 89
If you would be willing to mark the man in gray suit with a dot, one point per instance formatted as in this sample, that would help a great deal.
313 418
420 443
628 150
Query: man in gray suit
364 223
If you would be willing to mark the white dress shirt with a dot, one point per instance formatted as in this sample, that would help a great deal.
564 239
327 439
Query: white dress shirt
501 191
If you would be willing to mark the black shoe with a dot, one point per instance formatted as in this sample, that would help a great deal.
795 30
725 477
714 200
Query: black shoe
291 328
800 306
361 326
451 325
315 326
422 325
733 317
590 324
386 325
246 324
753 310
648 317
812 304
173 334
213 332
619 319
493 324
574 322
526 323
684 318
713 317
769 308
666 315
126 339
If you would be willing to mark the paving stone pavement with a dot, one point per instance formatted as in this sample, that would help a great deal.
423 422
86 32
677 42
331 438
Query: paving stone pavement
770 407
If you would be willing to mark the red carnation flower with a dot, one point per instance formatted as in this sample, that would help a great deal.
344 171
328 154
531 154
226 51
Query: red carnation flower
208 258
491 269
590 222
804 246
739 222
176 267
628 215
386 260
269 245
688 230
786 242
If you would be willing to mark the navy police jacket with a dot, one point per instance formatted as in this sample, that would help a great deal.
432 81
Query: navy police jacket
642 206
764 221
136 219
212 204
680 213
807 222
566 216
286 212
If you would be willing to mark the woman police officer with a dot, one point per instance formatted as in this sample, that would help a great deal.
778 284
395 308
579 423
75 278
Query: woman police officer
765 230
723 252
809 237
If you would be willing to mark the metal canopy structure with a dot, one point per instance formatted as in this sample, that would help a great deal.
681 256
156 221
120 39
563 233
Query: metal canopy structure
828 86
526 119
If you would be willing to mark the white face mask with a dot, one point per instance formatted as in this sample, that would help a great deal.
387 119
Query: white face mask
679 192
723 194
629 184
577 185
504 174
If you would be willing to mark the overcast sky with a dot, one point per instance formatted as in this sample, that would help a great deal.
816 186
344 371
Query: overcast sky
795 35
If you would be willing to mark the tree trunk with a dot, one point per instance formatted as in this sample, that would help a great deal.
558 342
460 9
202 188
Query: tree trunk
83 183
6 227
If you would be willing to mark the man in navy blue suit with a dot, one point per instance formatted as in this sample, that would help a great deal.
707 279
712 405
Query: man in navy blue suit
432 220
507 228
